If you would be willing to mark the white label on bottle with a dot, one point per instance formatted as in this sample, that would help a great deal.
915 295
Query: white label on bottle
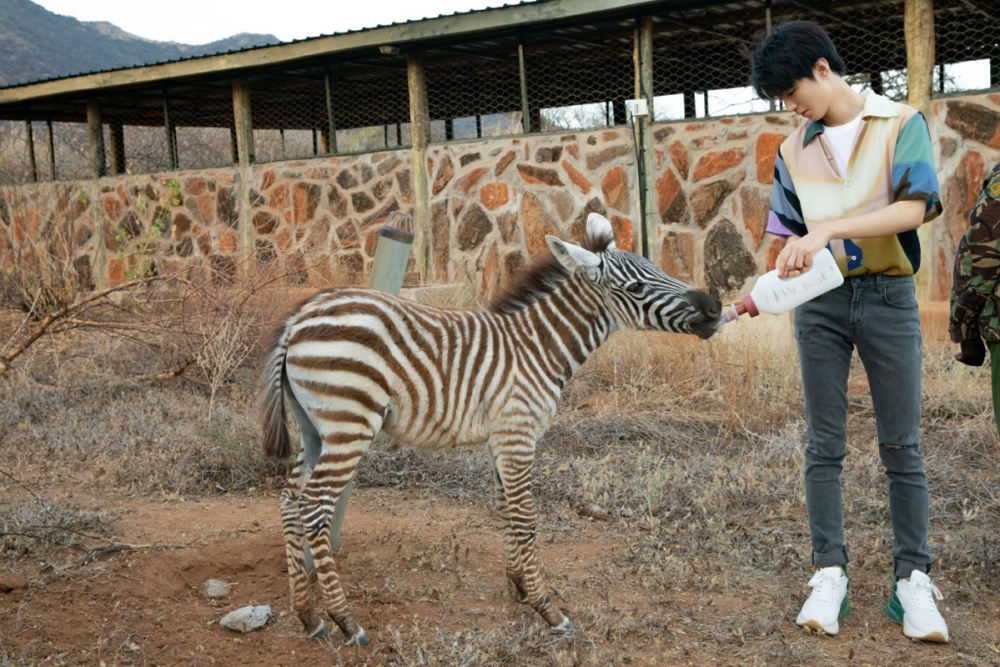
807 286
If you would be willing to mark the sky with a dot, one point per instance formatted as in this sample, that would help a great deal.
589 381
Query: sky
203 21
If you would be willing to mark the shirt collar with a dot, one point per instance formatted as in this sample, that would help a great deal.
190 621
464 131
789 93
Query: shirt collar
876 106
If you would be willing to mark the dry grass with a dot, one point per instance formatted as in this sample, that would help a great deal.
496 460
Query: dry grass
691 450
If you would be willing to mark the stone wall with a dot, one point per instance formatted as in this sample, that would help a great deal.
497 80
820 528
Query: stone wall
491 202
967 133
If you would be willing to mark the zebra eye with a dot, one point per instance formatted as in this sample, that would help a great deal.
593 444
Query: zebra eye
636 288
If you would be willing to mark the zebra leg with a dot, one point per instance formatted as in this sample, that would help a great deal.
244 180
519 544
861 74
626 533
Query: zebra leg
514 571
294 529
346 436
512 463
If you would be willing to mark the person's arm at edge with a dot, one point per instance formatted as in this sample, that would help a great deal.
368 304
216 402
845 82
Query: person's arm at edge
975 278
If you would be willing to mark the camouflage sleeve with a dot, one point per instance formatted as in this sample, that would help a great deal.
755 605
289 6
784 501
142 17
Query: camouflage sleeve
977 263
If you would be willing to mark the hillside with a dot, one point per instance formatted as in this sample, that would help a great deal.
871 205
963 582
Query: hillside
37 44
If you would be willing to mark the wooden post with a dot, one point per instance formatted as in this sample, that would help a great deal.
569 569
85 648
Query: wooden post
234 149
331 143
767 27
168 125
525 109
117 153
689 108
31 150
918 27
95 139
420 128
242 122
52 150
96 142
649 214
244 145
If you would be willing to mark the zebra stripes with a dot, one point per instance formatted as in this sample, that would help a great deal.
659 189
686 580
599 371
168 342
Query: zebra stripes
352 362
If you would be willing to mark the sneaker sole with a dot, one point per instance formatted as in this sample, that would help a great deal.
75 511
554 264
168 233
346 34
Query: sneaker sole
935 637
894 610
816 626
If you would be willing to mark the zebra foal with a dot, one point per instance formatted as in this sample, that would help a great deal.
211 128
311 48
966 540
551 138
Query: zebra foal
351 362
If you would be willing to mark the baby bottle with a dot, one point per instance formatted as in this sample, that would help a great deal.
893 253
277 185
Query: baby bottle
772 294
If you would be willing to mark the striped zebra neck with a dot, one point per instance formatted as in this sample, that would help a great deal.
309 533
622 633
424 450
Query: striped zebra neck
565 326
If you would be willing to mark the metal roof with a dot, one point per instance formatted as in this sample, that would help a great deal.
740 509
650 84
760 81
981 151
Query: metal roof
264 46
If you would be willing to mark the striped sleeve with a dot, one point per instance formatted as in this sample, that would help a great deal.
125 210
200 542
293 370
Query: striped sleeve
785 218
913 174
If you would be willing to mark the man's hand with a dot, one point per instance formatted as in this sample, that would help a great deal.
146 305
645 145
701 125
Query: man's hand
798 252
973 352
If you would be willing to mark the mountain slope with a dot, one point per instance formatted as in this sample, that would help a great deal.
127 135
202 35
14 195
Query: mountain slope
37 44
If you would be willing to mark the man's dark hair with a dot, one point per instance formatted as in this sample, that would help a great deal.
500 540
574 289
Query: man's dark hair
789 53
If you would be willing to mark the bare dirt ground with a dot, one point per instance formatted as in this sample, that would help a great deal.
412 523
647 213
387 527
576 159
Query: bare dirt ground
424 576
119 499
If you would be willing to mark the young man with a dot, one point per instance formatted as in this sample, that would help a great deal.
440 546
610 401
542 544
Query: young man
975 305
857 177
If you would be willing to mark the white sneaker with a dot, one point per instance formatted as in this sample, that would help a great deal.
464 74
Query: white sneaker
912 604
828 602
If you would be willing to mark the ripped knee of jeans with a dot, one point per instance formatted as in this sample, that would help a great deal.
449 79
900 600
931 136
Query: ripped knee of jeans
887 445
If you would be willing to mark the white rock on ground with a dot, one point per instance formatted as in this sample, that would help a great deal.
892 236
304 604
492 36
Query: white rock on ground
215 588
247 619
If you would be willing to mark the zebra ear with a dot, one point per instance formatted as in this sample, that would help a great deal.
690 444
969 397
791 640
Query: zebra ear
571 256
598 228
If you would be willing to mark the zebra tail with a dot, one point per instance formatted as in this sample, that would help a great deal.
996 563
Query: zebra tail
276 441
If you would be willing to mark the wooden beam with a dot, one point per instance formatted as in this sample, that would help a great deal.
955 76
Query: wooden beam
918 26
168 126
525 109
420 128
117 154
331 125
31 150
95 139
245 149
52 149
241 118
644 51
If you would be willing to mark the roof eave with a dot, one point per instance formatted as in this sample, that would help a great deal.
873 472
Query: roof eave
398 34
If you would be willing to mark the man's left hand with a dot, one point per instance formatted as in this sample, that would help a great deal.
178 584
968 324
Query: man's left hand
798 252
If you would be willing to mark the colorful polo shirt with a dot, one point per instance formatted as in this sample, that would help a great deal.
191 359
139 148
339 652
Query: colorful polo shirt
892 160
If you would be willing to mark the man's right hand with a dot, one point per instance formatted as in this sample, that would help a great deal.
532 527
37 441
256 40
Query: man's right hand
973 352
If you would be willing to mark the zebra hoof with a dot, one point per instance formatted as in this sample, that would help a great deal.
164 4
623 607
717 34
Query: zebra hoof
319 632
353 632
360 639
565 626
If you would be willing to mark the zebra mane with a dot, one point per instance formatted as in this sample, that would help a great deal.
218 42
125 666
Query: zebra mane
541 277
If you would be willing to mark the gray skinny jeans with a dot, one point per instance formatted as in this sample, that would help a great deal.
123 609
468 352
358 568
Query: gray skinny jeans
877 315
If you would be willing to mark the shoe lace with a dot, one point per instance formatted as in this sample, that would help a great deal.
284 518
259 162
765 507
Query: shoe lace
924 594
824 586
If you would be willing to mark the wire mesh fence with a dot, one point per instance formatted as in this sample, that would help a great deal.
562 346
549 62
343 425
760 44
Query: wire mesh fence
552 78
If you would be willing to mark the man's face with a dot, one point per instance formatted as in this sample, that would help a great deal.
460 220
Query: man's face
810 98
